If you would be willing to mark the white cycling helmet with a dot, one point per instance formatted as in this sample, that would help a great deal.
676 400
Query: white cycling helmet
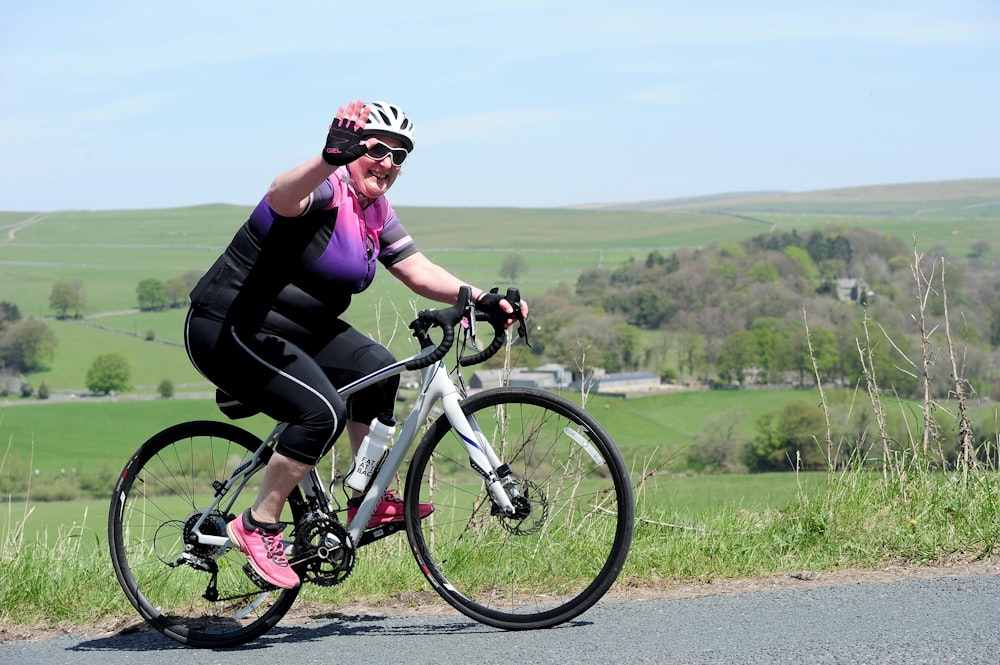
386 118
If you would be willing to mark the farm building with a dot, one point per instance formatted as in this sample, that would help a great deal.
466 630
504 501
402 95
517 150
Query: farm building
627 383
552 376
556 377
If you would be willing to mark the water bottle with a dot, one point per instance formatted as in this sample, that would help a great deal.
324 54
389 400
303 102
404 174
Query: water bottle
371 453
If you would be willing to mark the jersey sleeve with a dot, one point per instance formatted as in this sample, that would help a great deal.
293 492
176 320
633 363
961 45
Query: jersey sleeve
395 244
320 198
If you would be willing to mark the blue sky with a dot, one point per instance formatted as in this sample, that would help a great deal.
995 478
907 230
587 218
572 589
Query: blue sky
110 105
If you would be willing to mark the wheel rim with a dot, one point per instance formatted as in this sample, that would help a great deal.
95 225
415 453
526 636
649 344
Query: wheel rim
157 501
559 558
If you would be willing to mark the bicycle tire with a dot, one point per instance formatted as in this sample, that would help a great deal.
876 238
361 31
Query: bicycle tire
563 556
159 493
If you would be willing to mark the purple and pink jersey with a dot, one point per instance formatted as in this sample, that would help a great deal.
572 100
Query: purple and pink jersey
294 276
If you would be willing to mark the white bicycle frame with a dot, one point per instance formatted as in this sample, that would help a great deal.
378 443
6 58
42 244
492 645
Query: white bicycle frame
436 386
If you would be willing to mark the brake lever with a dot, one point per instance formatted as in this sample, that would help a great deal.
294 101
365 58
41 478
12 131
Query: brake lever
469 323
514 298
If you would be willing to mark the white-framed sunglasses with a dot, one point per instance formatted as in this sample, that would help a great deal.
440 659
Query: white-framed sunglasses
379 151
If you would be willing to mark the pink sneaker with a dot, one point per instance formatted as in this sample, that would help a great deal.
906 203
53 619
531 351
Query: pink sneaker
390 509
264 550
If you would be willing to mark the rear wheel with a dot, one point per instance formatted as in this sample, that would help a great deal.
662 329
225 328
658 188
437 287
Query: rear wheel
196 594
568 541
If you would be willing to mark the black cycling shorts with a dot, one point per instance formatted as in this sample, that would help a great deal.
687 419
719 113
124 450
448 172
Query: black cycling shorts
294 382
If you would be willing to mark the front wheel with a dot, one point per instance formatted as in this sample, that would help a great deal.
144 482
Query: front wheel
194 593
572 529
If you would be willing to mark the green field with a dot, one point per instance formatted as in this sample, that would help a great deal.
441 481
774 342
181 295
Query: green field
690 527
89 433
110 252
50 440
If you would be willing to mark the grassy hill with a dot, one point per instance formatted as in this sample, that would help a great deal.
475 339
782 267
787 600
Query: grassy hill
909 199
951 215
110 252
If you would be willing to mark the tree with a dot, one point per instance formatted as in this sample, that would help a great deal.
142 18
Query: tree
66 297
152 294
786 437
644 305
9 313
737 356
770 336
176 292
994 323
512 267
110 372
691 353
591 286
190 279
825 350
166 389
27 344
980 248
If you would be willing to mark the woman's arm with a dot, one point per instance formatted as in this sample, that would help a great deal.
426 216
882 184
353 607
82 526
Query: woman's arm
428 279
289 193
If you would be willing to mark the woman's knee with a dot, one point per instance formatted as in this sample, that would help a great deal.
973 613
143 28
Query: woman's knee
313 433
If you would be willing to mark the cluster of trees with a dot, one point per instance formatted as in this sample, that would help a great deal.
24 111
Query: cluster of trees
69 299
157 294
737 313
26 345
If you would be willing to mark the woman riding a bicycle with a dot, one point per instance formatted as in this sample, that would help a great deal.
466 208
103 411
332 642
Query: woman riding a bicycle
265 327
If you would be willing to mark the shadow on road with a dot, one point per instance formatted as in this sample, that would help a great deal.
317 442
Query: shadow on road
317 627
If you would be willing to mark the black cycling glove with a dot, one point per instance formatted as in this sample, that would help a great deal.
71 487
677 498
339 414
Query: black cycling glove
344 143
489 300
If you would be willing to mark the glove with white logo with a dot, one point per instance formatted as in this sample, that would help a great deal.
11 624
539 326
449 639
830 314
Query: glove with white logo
344 143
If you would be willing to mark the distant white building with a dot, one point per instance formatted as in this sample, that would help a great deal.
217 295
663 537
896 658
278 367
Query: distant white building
852 289
556 377
624 383
552 376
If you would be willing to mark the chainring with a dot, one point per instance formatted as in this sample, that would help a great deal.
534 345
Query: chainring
323 553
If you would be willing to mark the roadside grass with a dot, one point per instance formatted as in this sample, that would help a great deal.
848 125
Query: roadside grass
858 518
854 519
911 507
62 580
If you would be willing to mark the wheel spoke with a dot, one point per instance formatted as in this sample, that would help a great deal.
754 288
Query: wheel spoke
195 593
561 553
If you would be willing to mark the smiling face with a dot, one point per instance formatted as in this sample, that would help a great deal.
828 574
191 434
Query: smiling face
373 178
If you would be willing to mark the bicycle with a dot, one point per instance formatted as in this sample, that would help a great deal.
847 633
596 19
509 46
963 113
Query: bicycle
532 521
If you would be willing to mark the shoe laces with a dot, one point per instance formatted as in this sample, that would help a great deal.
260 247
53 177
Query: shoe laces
391 496
275 548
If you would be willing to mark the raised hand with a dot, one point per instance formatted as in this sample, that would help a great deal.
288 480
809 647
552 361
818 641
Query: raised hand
344 142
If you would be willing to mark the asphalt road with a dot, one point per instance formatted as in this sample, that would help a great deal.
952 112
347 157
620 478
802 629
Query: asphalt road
949 620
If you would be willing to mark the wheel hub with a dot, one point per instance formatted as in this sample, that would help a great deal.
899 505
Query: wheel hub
531 509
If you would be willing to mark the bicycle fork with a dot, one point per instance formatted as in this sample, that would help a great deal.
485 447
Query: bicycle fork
482 457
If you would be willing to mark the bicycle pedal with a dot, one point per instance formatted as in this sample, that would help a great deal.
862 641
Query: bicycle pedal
379 532
256 578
